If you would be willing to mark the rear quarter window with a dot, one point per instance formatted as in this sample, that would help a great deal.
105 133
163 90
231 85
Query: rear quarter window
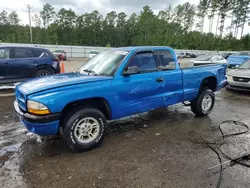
165 59
40 53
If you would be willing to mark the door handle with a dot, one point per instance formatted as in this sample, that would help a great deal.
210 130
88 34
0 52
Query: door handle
6 63
159 79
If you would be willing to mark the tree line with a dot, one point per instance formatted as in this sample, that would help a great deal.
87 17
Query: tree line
181 27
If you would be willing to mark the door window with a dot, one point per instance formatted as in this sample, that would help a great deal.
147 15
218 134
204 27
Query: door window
144 61
23 53
166 60
40 54
4 53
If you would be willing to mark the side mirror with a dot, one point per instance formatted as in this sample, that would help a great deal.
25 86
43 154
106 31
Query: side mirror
131 70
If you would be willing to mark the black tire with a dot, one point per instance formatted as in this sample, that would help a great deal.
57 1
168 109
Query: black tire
43 72
196 104
73 121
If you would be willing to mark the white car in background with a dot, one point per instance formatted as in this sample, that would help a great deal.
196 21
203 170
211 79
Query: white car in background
209 59
93 53
239 79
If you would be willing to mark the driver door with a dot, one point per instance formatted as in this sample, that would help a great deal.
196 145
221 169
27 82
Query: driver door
139 92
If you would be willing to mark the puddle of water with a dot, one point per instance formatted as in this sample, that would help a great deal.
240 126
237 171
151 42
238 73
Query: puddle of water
9 149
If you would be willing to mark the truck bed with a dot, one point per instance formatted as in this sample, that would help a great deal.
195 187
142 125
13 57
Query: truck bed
191 65
194 75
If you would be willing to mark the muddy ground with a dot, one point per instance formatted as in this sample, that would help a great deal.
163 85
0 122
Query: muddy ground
149 150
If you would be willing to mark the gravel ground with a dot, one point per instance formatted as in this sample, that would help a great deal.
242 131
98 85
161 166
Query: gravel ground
147 150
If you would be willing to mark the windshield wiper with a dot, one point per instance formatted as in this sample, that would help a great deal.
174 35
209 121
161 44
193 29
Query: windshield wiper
90 71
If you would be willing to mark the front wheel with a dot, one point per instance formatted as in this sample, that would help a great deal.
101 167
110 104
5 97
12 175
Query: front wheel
204 103
84 129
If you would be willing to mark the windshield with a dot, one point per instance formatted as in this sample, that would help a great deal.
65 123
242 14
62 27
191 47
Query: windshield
204 58
104 63
245 65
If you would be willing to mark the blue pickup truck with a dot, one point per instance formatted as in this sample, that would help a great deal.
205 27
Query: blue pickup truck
114 84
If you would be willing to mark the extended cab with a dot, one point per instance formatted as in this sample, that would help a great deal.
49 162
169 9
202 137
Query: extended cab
114 84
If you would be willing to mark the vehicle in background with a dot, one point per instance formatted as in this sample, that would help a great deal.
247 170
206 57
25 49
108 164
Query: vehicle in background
93 53
116 83
61 54
182 55
238 59
226 55
239 79
21 63
209 59
189 55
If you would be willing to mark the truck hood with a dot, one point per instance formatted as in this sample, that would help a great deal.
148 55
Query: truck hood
237 59
58 80
245 73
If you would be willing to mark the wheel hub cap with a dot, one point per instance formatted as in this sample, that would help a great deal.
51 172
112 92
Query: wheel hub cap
207 103
43 74
87 130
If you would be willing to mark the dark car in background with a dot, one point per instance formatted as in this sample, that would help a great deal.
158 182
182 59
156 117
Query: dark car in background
185 55
20 63
61 54
189 55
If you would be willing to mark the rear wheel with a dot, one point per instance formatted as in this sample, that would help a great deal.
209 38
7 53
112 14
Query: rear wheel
204 103
84 129
43 72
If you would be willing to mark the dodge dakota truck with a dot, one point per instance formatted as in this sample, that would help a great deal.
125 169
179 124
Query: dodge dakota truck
114 84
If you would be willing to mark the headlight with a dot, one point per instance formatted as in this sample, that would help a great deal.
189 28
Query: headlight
229 78
37 108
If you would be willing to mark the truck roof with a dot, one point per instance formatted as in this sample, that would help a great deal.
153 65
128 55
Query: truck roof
143 48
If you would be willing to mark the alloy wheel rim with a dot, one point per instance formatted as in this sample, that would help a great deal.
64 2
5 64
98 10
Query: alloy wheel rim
206 103
87 130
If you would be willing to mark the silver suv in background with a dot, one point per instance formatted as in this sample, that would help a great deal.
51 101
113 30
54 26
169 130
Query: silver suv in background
239 79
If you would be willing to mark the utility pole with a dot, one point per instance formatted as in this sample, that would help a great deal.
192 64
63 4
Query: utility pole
29 11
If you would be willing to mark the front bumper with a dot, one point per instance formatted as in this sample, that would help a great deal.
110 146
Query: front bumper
238 88
41 125
221 85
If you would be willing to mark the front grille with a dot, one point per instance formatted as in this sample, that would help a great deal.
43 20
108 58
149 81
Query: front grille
240 79
20 98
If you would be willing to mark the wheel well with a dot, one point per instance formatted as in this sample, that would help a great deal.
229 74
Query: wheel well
40 67
98 103
209 82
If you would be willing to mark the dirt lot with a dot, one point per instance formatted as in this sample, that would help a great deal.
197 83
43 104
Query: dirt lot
149 150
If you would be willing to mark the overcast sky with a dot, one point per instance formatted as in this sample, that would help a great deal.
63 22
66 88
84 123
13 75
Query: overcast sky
103 6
